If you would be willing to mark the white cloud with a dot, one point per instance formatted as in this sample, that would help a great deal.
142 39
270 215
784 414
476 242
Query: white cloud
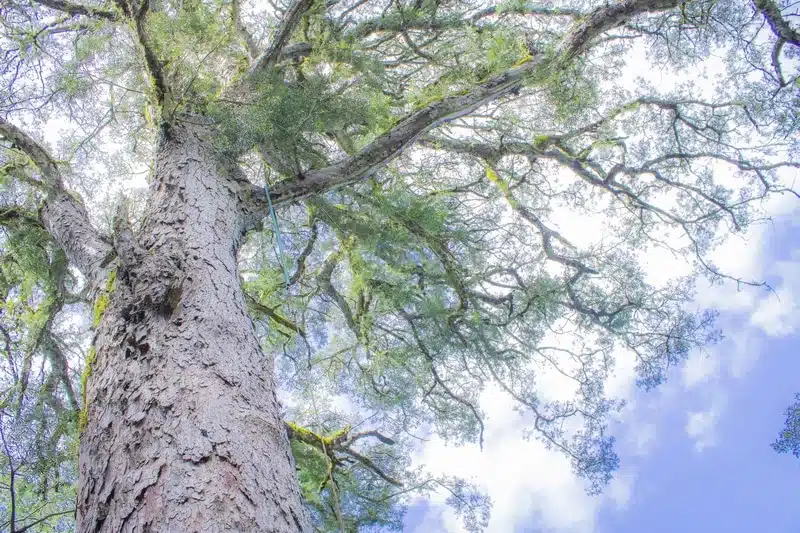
701 425
744 350
701 367
534 487
526 482
642 437
751 311
620 489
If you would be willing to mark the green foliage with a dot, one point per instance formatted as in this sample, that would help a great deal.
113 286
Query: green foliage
39 449
483 54
339 492
283 115
568 90
789 438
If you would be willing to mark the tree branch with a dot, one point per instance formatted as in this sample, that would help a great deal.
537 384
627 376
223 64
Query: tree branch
74 9
153 65
779 26
44 518
63 214
578 38
291 18
391 144
246 36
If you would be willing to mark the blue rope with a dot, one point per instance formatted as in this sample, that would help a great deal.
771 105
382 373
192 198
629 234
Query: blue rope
277 234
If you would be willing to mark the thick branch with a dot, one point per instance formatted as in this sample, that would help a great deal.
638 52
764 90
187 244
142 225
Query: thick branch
63 214
273 315
536 11
246 36
605 18
78 9
780 27
340 443
399 25
156 73
274 51
20 140
388 146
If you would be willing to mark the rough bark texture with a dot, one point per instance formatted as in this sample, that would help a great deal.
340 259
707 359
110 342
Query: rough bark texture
184 430
67 222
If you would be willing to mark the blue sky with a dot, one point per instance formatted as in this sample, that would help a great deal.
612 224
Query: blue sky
737 483
695 454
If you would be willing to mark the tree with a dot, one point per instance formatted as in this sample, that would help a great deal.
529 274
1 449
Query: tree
789 438
412 158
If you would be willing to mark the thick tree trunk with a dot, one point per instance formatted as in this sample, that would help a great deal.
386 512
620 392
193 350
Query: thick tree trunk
184 430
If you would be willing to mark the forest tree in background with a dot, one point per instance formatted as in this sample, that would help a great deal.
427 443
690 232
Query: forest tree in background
422 158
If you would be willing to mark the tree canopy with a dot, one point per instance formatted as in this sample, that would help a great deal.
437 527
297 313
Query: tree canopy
429 163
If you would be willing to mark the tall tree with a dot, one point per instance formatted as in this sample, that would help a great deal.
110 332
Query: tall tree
419 155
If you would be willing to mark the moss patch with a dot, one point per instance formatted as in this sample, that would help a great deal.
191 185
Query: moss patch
88 367
102 300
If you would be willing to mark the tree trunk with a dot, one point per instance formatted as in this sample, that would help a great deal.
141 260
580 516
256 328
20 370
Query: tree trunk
183 428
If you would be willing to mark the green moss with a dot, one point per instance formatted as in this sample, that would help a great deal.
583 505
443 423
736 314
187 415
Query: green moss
99 308
102 300
316 440
540 141
88 367
502 186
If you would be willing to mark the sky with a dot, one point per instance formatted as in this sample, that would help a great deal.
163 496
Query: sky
695 453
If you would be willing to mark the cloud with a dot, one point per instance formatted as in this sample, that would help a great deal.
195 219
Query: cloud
527 483
744 350
701 425
621 489
701 367
642 437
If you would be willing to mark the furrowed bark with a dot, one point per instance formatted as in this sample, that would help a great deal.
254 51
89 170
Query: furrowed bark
183 429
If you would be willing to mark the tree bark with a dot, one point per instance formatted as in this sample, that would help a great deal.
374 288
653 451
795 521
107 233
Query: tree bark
183 427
